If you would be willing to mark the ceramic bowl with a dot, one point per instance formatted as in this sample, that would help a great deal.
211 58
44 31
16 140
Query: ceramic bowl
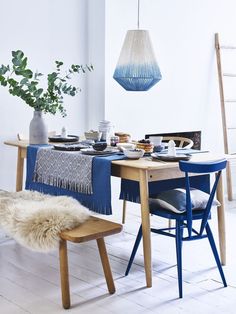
100 146
134 153
123 146
93 135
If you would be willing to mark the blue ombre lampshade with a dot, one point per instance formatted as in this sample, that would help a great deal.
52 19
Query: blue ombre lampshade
137 69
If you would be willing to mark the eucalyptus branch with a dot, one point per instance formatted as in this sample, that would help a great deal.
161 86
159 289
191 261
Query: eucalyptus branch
25 84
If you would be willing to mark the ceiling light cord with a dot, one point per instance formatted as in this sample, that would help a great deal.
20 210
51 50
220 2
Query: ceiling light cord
138 14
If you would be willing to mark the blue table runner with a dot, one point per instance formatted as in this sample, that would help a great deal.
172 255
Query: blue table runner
99 201
130 189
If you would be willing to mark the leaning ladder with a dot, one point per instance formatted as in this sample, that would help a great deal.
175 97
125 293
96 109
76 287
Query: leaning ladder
223 102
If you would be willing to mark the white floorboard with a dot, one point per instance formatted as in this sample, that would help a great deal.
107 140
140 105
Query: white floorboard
30 282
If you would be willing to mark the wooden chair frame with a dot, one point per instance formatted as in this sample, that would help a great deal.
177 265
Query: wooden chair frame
184 220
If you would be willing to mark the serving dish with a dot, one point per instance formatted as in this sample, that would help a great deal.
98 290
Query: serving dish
133 153
123 146
166 157
59 138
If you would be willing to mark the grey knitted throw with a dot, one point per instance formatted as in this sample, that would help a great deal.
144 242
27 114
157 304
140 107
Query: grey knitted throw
68 170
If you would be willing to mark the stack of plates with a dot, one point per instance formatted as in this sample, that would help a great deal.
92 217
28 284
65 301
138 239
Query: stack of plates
166 157
91 151
104 127
70 147
68 138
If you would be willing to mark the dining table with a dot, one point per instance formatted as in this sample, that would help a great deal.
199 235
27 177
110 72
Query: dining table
143 171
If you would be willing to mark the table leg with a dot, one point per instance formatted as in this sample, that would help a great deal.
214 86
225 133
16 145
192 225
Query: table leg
19 170
124 211
146 226
221 221
65 286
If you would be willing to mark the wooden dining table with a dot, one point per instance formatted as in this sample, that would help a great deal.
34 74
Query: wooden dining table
145 170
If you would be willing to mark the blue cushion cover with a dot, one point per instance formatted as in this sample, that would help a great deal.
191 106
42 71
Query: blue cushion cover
175 200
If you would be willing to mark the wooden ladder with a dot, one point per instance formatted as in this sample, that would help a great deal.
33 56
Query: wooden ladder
223 102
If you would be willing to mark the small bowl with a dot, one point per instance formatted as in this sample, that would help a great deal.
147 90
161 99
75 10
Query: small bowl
100 146
123 146
93 135
134 153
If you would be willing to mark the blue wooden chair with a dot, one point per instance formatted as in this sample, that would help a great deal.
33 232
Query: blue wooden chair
185 206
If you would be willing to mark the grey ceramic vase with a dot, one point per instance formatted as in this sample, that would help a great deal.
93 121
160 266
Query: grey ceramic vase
38 133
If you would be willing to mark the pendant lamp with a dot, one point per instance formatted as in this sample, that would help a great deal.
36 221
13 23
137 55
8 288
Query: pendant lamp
137 69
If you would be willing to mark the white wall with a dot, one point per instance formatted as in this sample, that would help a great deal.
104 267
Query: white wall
80 31
46 31
187 98
96 53
182 33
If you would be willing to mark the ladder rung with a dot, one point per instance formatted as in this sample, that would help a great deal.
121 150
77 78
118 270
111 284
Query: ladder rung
230 100
228 47
229 74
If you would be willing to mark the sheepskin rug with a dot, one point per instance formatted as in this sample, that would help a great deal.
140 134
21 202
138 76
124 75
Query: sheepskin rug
35 220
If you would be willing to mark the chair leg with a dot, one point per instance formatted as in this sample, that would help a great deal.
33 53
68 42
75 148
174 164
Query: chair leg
136 244
65 288
215 253
178 238
124 211
106 265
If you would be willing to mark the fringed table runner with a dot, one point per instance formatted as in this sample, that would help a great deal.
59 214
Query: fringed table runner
99 201
68 170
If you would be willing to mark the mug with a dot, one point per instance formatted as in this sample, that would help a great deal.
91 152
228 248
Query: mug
156 140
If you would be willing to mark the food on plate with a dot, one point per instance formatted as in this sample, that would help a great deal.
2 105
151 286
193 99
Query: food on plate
123 137
146 145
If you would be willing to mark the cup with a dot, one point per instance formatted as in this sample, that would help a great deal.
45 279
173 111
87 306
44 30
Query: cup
156 140
158 148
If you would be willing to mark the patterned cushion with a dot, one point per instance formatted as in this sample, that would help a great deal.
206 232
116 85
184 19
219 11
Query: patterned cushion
175 200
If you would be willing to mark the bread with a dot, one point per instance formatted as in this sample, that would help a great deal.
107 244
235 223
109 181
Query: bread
123 137
148 147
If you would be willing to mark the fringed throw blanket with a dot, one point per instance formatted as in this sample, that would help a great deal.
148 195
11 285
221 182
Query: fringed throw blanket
68 170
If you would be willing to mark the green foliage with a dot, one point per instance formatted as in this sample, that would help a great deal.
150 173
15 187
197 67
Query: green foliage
24 83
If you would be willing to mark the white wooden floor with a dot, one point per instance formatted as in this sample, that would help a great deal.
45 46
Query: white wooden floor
29 281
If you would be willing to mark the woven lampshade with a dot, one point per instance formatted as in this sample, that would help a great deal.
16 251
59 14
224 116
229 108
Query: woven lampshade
137 69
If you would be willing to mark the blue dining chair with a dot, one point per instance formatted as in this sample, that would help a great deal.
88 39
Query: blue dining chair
184 206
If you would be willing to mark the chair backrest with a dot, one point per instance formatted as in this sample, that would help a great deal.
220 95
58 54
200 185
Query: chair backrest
179 141
195 136
203 168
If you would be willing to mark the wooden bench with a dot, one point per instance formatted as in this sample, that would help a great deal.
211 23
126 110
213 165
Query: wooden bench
93 229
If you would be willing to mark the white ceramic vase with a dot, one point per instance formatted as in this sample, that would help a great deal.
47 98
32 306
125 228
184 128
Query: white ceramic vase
38 133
